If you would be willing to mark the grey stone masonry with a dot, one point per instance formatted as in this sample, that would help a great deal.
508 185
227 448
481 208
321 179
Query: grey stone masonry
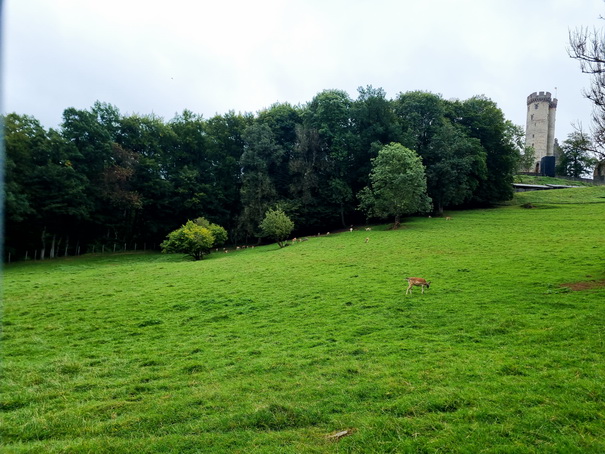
540 125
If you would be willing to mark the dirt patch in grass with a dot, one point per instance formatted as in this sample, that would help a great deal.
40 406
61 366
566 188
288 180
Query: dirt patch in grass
586 285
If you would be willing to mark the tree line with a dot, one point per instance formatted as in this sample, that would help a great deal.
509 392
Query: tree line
103 178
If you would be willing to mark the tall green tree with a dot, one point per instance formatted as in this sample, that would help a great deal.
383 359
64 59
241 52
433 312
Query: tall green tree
282 119
482 119
190 166
455 162
84 130
309 180
397 185
329 113
89 134
373 124
22 134
119 191
260 160
226 145
46 197
575 159
455 167
421 116
152 141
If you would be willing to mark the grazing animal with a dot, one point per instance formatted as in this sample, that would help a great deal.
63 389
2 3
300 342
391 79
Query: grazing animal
351 230
418 281
447 218
367 239
368 229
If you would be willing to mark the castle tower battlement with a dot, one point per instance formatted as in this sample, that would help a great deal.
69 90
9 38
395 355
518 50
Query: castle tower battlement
540 125
543 96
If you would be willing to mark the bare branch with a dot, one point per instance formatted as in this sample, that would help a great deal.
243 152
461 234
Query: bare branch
588 47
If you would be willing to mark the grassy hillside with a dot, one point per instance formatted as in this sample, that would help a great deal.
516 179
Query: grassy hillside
269 350
532 179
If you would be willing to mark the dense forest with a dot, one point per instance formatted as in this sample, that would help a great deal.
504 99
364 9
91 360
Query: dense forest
105 180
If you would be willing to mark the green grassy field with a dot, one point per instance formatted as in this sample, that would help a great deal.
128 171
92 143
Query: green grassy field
271 351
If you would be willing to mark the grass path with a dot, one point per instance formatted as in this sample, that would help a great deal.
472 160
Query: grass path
268 350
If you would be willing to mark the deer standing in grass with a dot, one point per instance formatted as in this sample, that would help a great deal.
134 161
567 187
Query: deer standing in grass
418 281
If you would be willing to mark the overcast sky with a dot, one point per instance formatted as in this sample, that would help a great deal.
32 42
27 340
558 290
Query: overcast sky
161 57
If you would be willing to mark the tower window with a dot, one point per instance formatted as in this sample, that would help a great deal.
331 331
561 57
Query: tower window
536 105
532 116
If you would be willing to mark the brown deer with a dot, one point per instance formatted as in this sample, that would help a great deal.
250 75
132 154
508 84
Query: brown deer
412 281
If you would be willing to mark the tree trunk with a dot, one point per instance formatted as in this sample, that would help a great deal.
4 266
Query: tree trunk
52 247
43 250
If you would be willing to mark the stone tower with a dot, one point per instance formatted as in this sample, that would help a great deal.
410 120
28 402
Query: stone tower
540 126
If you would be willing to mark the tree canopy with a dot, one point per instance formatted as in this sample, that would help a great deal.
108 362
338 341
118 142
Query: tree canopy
397 184
575 156
104 178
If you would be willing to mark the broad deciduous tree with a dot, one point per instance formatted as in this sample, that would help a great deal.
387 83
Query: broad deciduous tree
259 161
455 166
482 119
575 159
397 185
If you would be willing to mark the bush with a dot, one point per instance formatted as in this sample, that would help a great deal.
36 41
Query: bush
219 233
277 226
191 239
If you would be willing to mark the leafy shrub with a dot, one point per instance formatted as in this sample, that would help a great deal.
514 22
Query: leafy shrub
277 226
191 239
219 233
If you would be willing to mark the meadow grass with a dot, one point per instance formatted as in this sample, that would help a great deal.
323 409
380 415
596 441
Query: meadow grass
270 350
536 179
